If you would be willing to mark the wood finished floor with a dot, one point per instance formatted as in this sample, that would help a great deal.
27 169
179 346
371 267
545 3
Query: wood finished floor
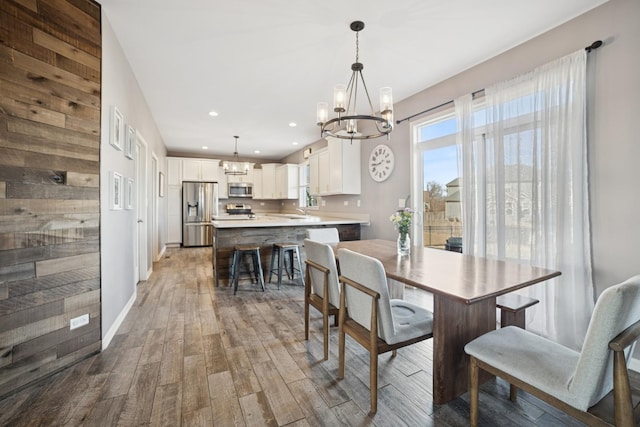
189 354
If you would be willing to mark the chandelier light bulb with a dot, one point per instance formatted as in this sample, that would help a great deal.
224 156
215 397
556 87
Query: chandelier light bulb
322 113
339 95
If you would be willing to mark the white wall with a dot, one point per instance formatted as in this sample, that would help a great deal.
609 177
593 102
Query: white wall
613 147
118 228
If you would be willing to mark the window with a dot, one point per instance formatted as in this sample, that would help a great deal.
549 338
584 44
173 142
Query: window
438 183
305 199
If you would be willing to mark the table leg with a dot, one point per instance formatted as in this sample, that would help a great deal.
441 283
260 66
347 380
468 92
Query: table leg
456 323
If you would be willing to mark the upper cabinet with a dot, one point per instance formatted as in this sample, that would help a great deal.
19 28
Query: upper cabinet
223 189
269 180
200 169
174 171
336 169
287 181
257 184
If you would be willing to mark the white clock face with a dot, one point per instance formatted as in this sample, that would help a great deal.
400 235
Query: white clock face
381 163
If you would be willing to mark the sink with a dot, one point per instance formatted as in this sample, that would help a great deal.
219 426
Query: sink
304 218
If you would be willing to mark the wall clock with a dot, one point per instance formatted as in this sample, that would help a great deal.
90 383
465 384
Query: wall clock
381 163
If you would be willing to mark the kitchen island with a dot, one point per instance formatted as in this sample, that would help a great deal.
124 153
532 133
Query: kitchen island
265 230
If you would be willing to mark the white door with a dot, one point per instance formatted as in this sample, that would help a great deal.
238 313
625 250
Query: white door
142 267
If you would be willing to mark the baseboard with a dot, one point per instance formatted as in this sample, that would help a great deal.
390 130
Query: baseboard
106 340
161 254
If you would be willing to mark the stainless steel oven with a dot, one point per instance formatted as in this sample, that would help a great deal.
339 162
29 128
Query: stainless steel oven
240 189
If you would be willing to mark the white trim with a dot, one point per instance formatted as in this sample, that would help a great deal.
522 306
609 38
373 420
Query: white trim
161 254
106 339
634 364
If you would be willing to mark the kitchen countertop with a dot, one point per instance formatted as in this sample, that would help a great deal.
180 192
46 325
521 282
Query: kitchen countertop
284 220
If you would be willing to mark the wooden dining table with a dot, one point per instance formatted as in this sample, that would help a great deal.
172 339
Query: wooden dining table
464 289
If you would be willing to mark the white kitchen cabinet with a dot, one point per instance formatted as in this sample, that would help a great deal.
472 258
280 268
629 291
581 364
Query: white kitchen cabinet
319 173
257 184
174 171
200 169
174 214
223 189
314 170
269 180
287 181
339 167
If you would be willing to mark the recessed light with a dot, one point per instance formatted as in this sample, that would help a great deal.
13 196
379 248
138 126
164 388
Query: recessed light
204 147
293 124
295 143
213 113
256 151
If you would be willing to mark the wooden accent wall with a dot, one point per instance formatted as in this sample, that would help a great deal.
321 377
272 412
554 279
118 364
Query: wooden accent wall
50 60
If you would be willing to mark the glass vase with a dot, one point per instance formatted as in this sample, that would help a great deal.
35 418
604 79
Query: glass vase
404 244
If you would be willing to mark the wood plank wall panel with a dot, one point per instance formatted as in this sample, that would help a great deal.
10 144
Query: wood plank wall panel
50 64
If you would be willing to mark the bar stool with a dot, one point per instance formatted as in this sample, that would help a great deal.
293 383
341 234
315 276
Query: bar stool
240 252
281 250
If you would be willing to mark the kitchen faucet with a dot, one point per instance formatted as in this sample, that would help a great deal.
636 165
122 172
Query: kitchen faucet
302 211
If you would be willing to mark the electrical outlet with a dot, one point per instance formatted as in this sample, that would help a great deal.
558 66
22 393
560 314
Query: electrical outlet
401 203
76 322
346 203
324 203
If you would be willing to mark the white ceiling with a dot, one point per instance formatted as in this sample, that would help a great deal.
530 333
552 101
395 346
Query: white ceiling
262 64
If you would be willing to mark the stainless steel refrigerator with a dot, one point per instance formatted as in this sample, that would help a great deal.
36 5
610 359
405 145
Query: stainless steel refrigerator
199 205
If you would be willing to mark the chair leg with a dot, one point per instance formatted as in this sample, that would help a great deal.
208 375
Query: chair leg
325 334
290 271
299 266
622 400
232 274
341 350
273 258
473 392
260 273
280 265
373 379
236 274
306 318
394 353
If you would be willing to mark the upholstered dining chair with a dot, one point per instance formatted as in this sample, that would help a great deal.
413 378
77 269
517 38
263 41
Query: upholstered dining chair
572 381
369 316
321 289
324 235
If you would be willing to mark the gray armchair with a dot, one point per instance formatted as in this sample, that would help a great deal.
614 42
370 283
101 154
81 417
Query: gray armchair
369 316
321 289
572 381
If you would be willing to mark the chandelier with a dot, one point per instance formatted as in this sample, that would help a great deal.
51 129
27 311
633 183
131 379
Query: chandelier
235 167
344 103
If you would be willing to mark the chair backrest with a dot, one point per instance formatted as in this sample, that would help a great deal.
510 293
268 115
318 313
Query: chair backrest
617 308
321 253
324 235
368 272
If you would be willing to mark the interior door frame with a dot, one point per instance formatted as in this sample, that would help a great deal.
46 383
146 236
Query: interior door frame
155 191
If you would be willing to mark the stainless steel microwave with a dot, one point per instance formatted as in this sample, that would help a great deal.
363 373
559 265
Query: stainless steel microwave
240 189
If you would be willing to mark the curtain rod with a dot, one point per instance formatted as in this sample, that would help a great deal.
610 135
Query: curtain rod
596 44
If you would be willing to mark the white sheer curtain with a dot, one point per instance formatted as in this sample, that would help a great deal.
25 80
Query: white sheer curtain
524 177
